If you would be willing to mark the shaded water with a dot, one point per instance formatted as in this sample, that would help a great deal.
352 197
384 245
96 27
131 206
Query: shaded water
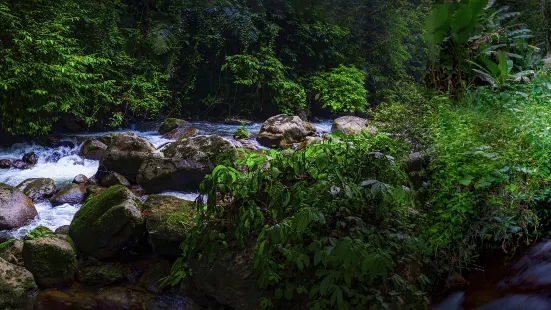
525 284
62 163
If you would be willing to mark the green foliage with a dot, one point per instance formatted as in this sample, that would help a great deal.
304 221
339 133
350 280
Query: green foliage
341 89
38 232
241 133
6 243
475 43
333 223
491 170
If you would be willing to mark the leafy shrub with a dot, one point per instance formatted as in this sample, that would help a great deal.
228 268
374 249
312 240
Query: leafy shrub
341 89
333 223
241 133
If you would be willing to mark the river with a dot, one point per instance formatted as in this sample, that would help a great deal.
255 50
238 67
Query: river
62 163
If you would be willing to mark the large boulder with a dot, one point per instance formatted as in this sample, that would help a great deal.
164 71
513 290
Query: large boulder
351 125
70 193
16 209
282 130
17 287
183 164
168 221
51 259
107 222
170 124
37 189
230 279
93 149
125 155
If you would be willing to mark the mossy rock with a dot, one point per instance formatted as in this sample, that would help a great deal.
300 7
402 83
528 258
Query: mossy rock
113 179
12 251
70 193
183 164
107 222
37 188
241 134
125 155
101 275
37 232
17 287
92 190
168 221
51 259
170 124
93 149
152 278
181 133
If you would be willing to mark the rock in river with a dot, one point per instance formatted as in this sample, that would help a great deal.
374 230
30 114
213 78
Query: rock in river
170 124
282 130
93 149
16 209
37 189
70 193
183 164
125 155
351 125
107 222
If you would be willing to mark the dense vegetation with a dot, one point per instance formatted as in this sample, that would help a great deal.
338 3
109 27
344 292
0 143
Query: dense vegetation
340 224
121 61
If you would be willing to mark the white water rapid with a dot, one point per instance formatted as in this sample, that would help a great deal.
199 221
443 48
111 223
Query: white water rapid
62 163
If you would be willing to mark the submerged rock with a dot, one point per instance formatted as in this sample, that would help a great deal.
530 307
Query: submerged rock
101 274
107 222
168 221
184 163
351 125
37 189
125 155
51 259
70 193
30 158
17 287
16 209
282 130
170 124
5 164
93 149
19 164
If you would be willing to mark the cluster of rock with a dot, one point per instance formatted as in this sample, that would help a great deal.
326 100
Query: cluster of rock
117 220
28 161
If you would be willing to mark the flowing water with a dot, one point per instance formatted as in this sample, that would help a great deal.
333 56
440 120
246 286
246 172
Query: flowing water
62 163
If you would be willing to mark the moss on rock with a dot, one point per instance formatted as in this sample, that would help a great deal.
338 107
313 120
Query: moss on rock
17 287
107 222
171 124
168 222
51 260
101 275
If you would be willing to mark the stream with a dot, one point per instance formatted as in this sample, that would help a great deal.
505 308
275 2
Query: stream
62 163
